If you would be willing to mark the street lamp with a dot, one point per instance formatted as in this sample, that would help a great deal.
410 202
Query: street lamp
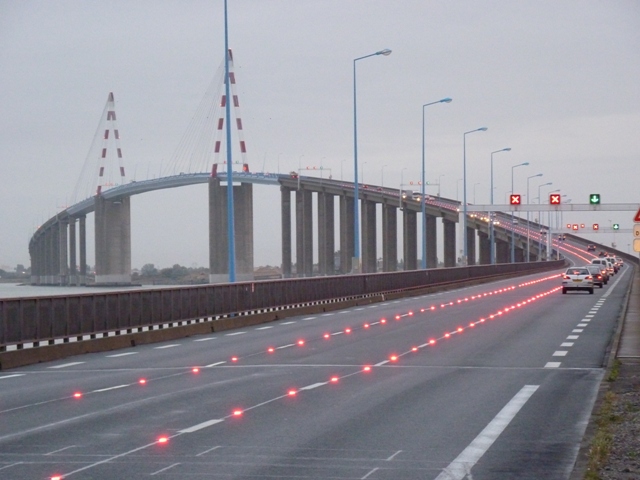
491 235
513 244
464 186
474 192
528 202
540 201
382 176
424 223
356 210
440 182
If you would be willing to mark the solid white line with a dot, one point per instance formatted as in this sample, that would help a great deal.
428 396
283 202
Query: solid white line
167 346
122 354
566 344
109 388
560 353
462 465
214 364
263 328
234 334
164 469
14 375
552 364
65 365
312 386
202 425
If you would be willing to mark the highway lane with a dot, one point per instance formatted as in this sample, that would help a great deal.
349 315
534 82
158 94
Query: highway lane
507 397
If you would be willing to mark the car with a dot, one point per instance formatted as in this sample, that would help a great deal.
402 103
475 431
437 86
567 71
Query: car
591 247
605 263
602 253
596 273
577 278
613 263
620 261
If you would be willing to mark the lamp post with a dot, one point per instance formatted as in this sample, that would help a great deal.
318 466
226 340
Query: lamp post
401 190
356 210
540 201
528 202
440 182
382 176
424 223
464 187
230 218
552 191
513 244
491 234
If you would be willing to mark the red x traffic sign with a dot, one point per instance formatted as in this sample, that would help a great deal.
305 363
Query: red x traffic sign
554 199
515 200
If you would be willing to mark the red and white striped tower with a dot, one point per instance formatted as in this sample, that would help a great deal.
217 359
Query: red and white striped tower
236 114
110 173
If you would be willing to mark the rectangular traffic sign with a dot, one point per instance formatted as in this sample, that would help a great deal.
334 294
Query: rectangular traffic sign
554 199
636 230
636 244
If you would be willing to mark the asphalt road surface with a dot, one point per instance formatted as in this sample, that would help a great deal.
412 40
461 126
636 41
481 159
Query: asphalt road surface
495 381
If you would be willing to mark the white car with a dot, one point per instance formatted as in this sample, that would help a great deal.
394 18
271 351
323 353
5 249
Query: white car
577 278
605 263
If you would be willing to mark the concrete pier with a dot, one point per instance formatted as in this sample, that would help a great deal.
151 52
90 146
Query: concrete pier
410 239
326 234
369 243
113 241
347 234
449 242
285 209
389 238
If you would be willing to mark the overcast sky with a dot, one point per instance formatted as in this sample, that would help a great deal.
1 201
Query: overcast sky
557 81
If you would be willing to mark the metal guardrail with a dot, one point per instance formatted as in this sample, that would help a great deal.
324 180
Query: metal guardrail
42 320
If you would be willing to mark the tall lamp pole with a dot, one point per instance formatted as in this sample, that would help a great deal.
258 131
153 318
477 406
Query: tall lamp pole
513 244
540 215
356 210
491 235
464 187
424 216
528 227
230 218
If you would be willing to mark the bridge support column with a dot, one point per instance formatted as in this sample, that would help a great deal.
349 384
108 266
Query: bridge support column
53 253
503 251
73 269
113 241
218 235
304 233
410 239
347 234
63 252
471 246
449 242
326 234
485 248
432 242
285 204
519 254
82 226
389 238
369 244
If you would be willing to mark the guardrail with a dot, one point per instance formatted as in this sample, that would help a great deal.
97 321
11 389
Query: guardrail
37 321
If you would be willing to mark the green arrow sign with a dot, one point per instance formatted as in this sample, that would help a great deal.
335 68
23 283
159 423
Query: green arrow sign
594 199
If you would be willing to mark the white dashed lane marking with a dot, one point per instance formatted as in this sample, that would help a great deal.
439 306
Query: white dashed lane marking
12 376
65 365
167 346
560 353
567 344
263 328
573 337
205 339
288 323
122 354
552 365
234 334
577 330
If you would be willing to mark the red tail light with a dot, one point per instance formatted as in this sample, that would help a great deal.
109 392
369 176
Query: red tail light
566 277
588 277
